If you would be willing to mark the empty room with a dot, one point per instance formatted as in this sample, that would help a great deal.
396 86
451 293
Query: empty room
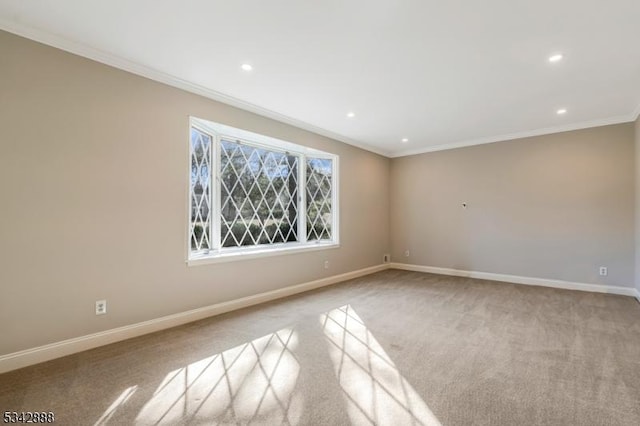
320 212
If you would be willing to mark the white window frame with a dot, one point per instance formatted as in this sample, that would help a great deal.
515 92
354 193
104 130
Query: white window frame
216 254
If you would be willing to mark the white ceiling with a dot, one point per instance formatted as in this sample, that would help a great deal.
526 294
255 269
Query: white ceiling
441 73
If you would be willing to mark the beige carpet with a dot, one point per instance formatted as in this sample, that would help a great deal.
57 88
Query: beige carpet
395 348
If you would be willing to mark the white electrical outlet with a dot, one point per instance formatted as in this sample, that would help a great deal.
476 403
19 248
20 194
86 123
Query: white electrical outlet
386 258
603 271
101 307
326 264
406 253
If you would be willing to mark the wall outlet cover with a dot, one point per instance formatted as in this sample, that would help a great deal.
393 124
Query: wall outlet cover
101 307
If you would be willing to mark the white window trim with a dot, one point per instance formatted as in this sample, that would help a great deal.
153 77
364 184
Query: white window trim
220 131
289 248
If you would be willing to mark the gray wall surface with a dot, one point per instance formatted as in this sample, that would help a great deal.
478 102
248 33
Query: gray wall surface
94 186
637 251
94 183
555 207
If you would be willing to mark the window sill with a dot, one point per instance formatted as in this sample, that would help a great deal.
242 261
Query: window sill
257 253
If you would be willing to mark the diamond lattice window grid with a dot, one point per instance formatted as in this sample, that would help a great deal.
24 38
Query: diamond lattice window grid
259 195
200 229
319 198
250 193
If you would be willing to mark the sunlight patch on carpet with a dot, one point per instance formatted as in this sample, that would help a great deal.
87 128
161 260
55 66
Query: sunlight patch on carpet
374 390
253 382
115 405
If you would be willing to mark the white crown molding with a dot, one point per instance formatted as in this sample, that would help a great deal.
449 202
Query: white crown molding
519 135
515 279
170 80
51 351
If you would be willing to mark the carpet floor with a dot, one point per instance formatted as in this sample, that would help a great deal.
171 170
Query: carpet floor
395 347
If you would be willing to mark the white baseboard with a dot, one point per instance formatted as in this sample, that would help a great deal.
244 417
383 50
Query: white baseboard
515 279
51 351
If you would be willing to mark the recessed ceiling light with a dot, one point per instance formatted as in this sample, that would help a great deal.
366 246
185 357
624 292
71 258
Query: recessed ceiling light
555 58
405 140
246 67
351 114
561 111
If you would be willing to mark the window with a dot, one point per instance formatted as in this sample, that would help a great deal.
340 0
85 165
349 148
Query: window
255 195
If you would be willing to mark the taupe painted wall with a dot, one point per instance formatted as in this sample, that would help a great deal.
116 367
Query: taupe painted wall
93 189
637 251
554 207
